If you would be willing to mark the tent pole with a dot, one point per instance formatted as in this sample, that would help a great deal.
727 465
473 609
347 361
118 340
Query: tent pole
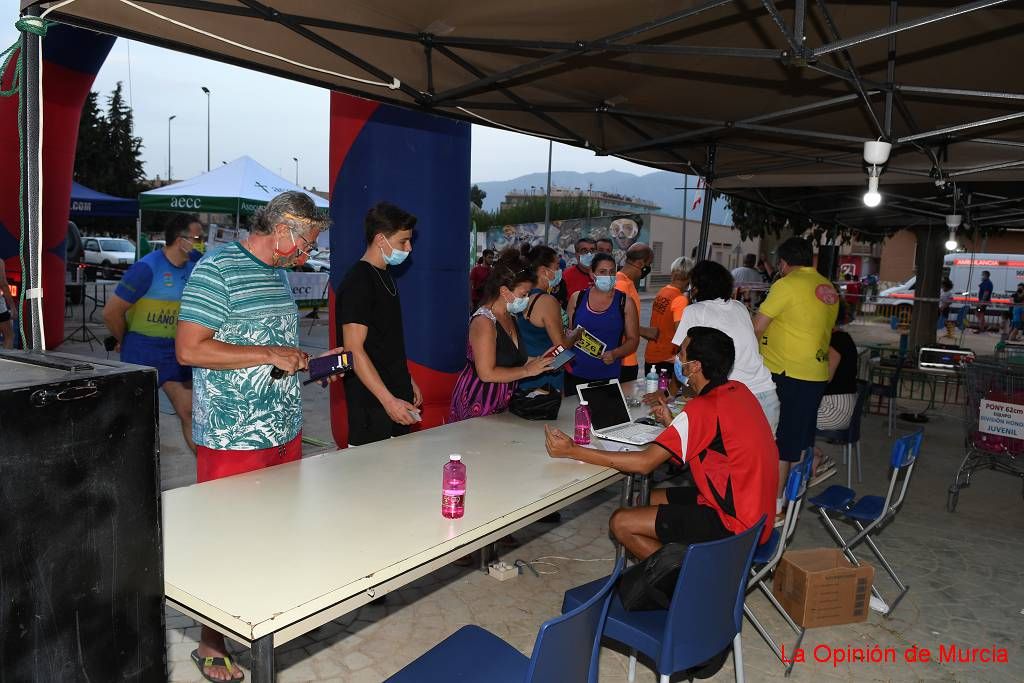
705 219
138 236
31 143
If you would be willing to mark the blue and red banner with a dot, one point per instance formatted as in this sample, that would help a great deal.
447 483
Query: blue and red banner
71 59
420 163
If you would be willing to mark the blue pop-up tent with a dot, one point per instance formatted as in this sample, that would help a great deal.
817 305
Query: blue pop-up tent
88 202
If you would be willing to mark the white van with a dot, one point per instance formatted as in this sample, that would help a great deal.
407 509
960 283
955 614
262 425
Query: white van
1005 270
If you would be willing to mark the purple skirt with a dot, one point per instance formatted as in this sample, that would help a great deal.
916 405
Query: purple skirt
473 397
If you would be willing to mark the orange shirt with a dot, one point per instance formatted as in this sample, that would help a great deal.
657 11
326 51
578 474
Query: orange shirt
625 285
666 312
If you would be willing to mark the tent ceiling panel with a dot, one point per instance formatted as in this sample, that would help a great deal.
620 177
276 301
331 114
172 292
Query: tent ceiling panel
788 98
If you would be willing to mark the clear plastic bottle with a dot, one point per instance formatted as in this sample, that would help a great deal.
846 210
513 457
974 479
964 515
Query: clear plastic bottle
663 380
453 487
652 381
582 433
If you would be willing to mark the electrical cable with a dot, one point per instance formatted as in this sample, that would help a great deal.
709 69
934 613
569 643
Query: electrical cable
541 561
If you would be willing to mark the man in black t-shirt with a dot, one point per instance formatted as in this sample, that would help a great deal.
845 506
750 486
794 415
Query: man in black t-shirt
383 400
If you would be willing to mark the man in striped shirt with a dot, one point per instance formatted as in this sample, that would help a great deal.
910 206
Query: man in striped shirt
238 322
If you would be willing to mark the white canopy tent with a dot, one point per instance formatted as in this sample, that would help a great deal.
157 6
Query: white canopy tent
237 188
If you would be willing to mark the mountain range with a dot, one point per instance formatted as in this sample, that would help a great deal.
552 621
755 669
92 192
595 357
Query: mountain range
658 187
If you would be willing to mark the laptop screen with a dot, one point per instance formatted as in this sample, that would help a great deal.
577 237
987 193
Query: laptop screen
607 405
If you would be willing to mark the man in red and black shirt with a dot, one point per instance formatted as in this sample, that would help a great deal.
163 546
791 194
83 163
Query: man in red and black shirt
723 436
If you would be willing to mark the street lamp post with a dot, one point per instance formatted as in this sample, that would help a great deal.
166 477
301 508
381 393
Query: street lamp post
296 160
207 91
169 119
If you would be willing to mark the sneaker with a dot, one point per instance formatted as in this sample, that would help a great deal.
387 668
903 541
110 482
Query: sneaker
879 605
823 474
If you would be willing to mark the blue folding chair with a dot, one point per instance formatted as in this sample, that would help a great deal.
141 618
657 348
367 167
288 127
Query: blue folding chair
768 554
705 614
870 513
849 438
566 650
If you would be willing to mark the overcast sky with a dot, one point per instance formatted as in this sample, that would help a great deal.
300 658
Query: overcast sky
273 120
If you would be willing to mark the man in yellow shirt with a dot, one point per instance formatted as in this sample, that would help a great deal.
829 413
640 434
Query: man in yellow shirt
636 267
794 324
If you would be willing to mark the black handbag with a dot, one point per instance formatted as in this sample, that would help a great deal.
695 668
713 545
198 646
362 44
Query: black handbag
539 407
649 585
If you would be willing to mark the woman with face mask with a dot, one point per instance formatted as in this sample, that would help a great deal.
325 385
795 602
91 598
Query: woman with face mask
496 356
540 326
610 316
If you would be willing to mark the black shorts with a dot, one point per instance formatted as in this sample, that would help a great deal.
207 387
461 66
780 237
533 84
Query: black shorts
683 520
5 316
798 415
368 422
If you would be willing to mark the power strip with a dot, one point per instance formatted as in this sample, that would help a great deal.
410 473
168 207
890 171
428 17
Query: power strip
502 571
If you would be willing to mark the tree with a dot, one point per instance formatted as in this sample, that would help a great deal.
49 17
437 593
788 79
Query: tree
91 165
477 196
124 149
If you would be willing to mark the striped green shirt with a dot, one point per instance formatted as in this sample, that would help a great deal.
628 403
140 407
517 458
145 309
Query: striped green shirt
248 303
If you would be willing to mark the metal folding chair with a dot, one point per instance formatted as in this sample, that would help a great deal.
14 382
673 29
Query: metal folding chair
768 554
849 438
870 513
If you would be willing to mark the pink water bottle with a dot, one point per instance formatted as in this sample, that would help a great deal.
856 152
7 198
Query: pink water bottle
582 435
663 381
453 488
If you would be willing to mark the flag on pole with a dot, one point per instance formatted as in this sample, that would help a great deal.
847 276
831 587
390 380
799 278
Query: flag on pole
698 196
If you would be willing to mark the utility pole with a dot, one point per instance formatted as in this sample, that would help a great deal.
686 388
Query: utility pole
169 119
207 91
547 201
296 160
686 189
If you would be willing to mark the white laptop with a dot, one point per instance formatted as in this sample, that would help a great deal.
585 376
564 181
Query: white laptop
610 416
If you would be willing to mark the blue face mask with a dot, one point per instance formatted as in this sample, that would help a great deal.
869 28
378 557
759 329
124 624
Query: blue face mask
683 379
396 257
517 305
586 260
556 279
604 282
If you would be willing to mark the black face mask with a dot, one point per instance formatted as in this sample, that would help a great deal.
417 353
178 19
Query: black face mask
644 272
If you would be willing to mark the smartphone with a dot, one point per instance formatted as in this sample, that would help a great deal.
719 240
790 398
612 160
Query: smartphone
322 368
561 358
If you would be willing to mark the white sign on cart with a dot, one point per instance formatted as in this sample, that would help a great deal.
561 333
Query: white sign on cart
1001 419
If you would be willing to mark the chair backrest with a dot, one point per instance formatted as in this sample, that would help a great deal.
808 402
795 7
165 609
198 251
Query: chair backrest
904 456
863 391
706 611
796 489
568 646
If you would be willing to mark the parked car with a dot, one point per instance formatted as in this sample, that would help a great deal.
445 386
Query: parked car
111 256
321 263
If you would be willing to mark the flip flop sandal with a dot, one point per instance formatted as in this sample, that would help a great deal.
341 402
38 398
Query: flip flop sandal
203 662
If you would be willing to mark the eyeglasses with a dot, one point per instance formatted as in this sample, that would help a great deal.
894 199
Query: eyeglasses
310 247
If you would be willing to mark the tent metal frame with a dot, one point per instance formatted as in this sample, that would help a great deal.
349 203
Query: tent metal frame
694 147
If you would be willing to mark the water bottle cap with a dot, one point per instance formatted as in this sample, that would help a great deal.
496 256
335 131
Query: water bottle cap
455 456
584 403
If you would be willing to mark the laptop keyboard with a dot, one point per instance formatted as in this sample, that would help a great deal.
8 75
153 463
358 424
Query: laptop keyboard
639 434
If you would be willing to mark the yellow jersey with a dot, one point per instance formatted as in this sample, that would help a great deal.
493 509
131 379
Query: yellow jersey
803 306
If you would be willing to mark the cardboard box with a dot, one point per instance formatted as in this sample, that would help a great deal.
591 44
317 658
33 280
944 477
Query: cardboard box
820 587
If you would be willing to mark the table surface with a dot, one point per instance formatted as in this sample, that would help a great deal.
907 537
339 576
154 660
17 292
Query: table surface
257 552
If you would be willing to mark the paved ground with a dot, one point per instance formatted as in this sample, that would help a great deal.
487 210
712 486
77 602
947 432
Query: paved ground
966 571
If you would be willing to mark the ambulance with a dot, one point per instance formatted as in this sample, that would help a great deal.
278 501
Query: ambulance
1005 270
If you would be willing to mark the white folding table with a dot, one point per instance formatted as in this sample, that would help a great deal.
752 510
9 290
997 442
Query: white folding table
327 534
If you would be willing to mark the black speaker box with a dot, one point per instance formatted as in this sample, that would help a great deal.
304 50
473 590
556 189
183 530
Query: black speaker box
81 575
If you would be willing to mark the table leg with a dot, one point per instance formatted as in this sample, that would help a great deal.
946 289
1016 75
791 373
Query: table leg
263 660
625 500
645 490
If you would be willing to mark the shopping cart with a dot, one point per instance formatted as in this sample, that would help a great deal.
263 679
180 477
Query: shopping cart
994 423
